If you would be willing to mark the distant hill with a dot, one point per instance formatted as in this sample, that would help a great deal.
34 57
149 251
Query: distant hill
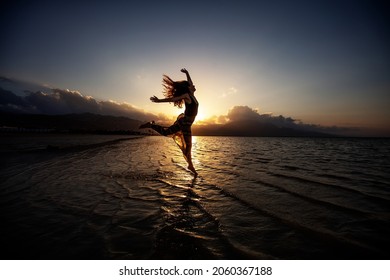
253 128
90 123
86 122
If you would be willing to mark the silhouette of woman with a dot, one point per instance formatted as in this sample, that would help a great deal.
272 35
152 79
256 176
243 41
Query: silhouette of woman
179 92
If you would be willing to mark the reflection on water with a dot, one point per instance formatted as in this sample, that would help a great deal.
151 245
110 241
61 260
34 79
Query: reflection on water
288 198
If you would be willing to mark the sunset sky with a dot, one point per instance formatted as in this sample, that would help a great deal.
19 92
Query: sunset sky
320 62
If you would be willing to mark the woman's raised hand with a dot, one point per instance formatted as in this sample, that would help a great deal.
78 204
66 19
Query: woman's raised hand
184 70
154 98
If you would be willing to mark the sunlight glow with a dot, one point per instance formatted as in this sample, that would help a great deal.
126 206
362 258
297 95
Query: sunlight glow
200 117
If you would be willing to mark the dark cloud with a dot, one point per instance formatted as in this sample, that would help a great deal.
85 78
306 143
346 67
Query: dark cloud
60 101
7 97
9 102
244 114
124 109
240 113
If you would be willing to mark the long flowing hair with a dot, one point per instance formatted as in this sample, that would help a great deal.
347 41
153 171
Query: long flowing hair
173 89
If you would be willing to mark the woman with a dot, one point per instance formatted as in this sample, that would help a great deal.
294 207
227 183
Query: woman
179 92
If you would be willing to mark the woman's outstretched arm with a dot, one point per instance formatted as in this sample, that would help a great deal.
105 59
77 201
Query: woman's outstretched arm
171 99
188 75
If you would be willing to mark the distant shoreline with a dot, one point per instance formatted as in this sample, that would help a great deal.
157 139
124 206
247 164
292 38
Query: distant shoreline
88 123
32 132
50 143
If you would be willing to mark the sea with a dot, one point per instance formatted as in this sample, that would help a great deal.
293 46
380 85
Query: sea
131 197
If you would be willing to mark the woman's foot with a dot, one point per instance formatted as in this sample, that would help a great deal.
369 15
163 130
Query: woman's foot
146 125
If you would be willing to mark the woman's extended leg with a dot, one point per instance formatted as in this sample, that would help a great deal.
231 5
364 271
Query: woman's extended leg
187 135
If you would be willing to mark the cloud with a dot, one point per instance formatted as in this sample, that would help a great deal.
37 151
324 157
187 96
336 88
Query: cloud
239 113
63 101
245 113
7 97
241 116
221 119
9 102
229 91
19 87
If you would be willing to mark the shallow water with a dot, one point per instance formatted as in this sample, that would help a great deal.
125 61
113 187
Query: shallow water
254 198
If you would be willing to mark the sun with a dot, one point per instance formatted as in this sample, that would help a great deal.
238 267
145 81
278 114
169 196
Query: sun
201 116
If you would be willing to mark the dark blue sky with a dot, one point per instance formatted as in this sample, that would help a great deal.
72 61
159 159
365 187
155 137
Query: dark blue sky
324 62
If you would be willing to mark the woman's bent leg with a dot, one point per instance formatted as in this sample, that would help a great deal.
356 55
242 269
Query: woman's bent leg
166 130
185 128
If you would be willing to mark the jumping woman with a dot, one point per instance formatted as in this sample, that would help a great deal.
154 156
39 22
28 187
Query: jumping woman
179 92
